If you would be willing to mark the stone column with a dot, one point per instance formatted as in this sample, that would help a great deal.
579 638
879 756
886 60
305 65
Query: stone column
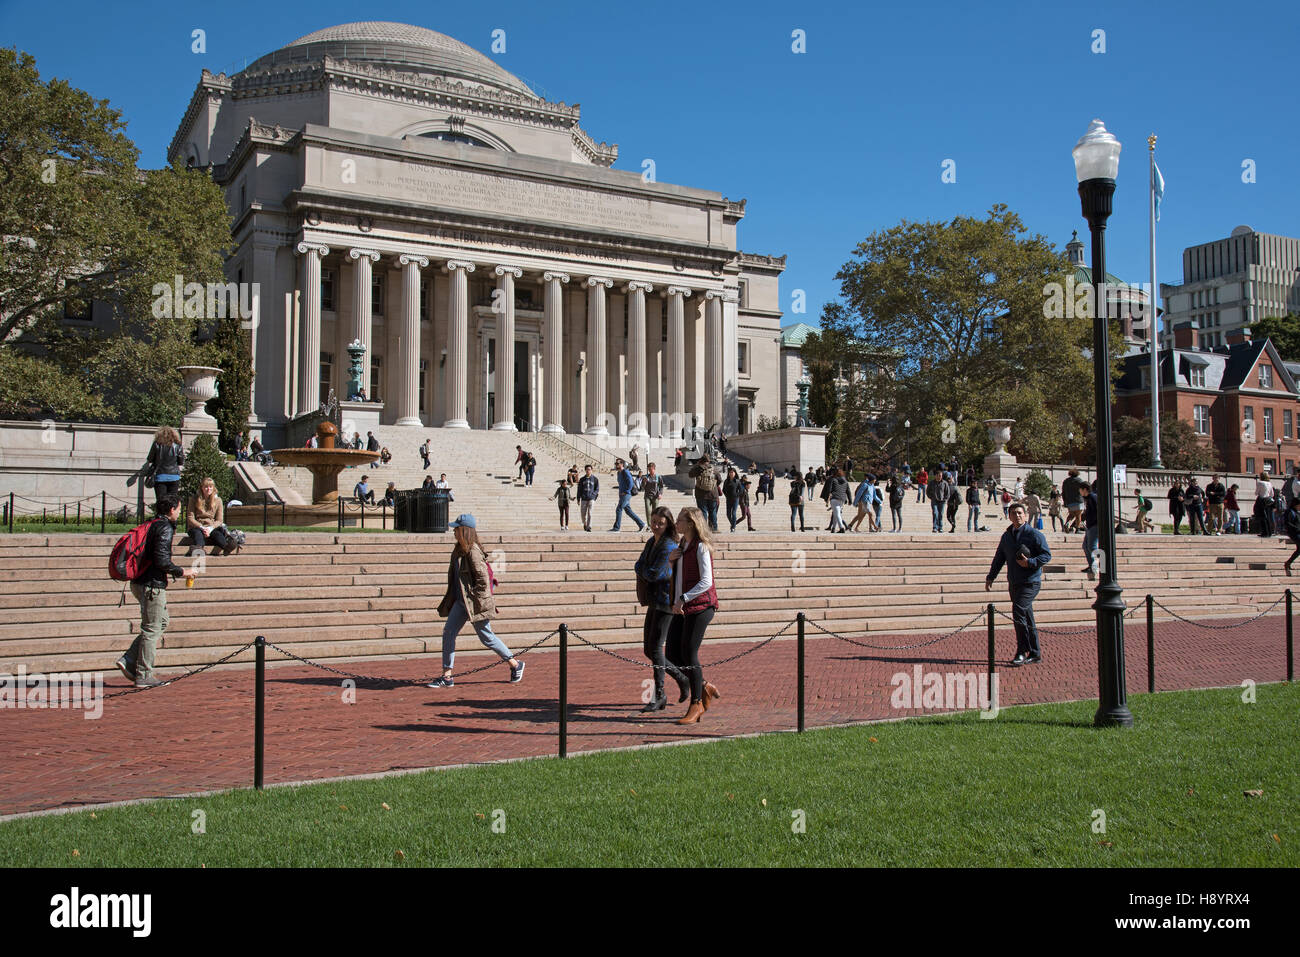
677 358
504 307
712 359
597 356
636 360
458 344
362 321
552 387
309 331
408 342
730 378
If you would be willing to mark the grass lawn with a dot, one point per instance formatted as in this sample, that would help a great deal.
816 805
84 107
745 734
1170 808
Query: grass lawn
1022 789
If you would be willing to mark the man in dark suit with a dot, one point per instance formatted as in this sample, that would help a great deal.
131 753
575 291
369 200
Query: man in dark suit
1024 551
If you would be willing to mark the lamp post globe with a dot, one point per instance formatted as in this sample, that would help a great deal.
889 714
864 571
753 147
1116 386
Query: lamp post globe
1096 165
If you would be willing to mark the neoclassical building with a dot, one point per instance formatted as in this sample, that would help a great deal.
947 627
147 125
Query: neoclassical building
394 186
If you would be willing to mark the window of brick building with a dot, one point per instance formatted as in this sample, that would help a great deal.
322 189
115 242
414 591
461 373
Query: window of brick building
1266 377
1268 425
1201 415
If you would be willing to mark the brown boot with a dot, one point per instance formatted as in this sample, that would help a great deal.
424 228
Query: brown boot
693 713
710 692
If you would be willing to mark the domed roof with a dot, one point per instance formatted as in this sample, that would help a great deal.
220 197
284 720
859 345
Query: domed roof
398 46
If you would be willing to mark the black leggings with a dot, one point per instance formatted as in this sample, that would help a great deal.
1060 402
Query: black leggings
218 538
1296 543
684 637
654 641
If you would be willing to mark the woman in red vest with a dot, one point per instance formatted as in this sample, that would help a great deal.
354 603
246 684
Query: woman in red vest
694 602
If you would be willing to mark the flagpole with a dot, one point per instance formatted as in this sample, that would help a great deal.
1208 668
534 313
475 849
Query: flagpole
1153 304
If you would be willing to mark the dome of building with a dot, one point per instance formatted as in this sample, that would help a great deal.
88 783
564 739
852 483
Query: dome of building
398 46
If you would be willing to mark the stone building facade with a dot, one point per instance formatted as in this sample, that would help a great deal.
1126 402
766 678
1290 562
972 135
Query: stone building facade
393 186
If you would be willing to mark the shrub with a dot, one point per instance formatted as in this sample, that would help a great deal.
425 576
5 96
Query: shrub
205 460
1038 482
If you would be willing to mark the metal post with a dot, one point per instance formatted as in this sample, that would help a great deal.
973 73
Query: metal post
363 515
282 522
259 715
1290 660
11 511
564 691
993 665
103 507
802 619
78 515
340 501
1151 644
1096 196
264 494
383 516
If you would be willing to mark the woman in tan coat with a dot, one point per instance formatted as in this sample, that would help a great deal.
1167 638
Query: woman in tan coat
206 518
469 599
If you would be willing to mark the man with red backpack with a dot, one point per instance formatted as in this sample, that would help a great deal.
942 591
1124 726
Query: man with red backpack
153 569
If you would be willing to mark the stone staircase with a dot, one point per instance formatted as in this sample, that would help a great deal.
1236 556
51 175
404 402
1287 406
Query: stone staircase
329 597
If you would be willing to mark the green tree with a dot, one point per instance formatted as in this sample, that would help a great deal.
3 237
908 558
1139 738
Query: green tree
205 460
1284 331
79 223
968 308
1180 449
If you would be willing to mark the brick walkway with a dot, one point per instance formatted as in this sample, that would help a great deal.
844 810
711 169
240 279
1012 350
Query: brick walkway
198 734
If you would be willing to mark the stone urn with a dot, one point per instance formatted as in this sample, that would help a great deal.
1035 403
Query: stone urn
199 385
999 434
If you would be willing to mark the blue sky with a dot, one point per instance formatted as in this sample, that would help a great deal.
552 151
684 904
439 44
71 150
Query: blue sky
831 144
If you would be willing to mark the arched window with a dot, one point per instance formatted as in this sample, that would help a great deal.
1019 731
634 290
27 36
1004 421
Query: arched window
447 136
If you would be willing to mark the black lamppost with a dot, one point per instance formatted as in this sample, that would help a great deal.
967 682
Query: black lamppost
1096 163
907 424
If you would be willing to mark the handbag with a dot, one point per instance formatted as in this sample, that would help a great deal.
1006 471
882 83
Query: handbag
1038 523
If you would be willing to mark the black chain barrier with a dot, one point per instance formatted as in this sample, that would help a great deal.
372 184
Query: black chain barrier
1080 630
182 677
919 644
401 682
1236 624
713 664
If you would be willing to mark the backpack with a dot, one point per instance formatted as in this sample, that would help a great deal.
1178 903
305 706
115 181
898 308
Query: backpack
705 483
492 579
796 494
128 560
637 485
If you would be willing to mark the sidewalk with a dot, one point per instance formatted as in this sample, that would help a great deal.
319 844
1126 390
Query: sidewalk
198 734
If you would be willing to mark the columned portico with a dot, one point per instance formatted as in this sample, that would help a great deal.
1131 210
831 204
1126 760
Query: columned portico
458 344
504 307
713 366
408 342
676 365
362 319
553 346
597 355
309 327
636 412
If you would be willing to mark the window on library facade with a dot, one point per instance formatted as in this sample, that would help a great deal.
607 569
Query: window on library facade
1201 415
377 295
327 290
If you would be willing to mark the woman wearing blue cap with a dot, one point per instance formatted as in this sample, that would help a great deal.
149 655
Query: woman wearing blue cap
469 598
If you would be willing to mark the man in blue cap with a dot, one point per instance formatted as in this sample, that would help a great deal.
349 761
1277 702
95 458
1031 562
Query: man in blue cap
1023 549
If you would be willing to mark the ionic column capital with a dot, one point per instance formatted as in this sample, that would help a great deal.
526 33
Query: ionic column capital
635 286
682 291
730 295
594 281
454 264
317 248
407 259
510 270
371 254
553 276
711 294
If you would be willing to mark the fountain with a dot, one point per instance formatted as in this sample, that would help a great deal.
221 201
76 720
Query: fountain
325 463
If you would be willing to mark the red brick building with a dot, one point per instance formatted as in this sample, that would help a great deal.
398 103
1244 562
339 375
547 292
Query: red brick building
1240 397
